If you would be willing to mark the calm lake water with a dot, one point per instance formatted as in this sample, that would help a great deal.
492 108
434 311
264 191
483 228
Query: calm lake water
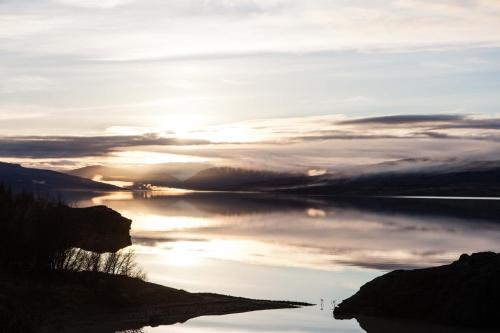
315 250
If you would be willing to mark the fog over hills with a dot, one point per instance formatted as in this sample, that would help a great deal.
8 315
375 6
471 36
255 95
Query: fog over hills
474 178
405 177
131 175
401 177
214 178
225 178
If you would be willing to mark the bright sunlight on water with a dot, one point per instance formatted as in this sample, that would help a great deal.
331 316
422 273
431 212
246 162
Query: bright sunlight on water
285 248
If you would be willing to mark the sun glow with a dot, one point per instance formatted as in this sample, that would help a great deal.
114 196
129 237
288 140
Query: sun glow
182 124
157 223
147 157
119 183
115 196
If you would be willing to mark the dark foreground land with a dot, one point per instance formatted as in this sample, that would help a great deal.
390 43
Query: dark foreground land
464 293
62 270
99 302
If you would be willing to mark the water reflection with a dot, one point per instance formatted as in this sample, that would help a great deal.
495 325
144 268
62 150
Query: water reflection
276 247
380 325
380 234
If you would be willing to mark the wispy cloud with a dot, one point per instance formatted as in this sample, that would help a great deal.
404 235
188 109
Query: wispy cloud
128 29
24 83
70 147
252 82
405 119
298 144
94 3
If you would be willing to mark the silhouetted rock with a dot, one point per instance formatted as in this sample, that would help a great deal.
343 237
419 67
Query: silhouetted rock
97 229
464 293
35 233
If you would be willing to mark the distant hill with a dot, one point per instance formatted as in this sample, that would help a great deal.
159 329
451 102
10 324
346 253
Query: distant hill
455 179
139 175
217 178
417 177
226 178
28 179
92 171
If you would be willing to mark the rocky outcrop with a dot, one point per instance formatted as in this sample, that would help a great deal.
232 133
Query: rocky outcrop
464 293
98 229
36 233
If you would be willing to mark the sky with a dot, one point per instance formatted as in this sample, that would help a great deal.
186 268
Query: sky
280 84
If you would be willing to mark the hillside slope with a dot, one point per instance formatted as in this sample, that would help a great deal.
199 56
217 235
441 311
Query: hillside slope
27 179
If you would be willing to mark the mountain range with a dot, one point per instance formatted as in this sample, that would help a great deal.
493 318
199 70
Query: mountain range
408 177
212 179
461 179
396 178
28 179
138 176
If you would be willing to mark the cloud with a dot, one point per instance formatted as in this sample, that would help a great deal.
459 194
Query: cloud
84 66
405 119
329 143
9 116
24 83
431 121
87 96
94 3
129 29
17 26
339 135
434 135
292 144
70 147
493 124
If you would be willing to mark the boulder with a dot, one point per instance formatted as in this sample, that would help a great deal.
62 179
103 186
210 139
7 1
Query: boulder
98 229
464 293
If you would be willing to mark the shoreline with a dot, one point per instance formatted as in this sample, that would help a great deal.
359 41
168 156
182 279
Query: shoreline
99 302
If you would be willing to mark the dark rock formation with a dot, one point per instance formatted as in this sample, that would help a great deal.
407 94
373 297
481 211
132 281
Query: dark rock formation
98 229
35 233
464 293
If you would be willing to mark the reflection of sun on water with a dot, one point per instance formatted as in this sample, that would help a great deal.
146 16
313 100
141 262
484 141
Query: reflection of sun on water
313 212
315 237
115 196
191 253
150 222
161 191
195 252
